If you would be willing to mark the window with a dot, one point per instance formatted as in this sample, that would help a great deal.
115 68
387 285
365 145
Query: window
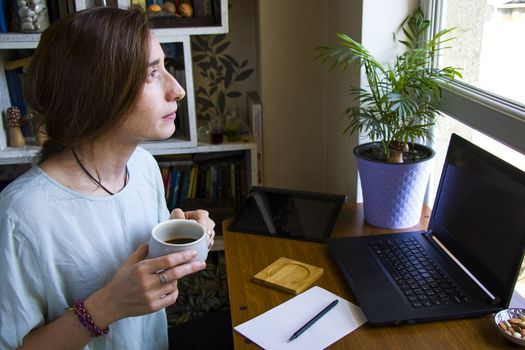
488 44
487 106
448 125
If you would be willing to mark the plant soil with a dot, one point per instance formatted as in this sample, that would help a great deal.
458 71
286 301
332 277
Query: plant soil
374 151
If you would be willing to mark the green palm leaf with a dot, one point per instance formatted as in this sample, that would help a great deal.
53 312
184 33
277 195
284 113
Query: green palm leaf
400 103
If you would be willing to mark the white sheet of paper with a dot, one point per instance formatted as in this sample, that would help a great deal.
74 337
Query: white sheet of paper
272 329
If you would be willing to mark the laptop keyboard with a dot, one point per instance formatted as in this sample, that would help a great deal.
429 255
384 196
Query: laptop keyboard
421 280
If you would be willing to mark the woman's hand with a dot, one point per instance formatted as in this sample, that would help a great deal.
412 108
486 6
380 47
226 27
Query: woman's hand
201 216
138 288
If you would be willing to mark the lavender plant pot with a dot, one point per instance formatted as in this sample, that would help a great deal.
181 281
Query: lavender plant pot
393 194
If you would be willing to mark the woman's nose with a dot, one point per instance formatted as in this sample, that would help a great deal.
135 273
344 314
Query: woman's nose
175 92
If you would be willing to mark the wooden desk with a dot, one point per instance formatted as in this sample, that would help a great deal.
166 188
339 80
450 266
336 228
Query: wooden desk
247 254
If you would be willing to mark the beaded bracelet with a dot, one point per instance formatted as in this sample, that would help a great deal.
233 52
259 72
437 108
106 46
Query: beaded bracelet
85 318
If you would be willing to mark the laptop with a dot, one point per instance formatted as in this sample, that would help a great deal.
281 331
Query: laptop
288 213
468 261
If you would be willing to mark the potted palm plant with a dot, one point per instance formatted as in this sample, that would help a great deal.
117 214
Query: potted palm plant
398 108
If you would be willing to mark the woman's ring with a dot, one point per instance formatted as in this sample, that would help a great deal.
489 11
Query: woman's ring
210 238
163 278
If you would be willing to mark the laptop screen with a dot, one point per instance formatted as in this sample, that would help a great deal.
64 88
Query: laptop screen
288 213
479 215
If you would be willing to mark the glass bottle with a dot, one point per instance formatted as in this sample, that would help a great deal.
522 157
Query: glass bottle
216 126
232 126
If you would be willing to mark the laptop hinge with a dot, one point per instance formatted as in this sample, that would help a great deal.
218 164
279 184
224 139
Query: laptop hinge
494 299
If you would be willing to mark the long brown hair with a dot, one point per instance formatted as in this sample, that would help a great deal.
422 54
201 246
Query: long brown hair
87 74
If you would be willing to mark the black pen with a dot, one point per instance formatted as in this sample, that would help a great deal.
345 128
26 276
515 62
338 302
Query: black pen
313 320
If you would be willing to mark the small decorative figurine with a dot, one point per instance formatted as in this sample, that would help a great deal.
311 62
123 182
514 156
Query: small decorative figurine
36 118
186 10
16 139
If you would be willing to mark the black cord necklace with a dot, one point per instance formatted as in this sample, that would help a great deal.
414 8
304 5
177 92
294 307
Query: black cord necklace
93 178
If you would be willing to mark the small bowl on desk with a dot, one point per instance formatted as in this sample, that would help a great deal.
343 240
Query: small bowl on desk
511 324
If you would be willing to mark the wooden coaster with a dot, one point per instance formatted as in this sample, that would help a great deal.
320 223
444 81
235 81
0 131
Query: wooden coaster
289 275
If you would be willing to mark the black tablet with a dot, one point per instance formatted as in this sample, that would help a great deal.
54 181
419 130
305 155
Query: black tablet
288 213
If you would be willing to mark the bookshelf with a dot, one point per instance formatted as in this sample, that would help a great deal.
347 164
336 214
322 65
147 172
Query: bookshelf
186 143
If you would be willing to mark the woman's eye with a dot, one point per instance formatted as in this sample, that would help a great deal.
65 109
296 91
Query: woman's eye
153 74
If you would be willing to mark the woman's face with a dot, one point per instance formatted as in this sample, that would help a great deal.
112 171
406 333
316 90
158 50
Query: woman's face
154 114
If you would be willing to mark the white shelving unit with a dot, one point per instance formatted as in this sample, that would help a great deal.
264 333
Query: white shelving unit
9 42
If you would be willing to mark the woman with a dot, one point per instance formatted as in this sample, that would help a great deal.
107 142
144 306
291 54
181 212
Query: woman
72 229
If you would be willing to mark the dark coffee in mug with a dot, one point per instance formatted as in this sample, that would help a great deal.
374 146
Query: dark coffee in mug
180 240
177 235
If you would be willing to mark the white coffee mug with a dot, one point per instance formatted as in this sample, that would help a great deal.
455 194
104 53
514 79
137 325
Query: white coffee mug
177 235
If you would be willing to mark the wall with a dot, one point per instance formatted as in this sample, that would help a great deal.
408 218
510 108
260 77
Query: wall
241 40
242 33
341 17
291 90
302 101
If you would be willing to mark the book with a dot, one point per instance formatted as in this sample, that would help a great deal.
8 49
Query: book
13 79
3 20
221 182
213 193
255 118
198 8
185 186
232 182
176 174
238 185
216 177
206 8
167 189
208 182
15 74
174 196
193 181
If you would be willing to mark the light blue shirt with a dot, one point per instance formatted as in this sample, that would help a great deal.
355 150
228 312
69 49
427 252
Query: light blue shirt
57 246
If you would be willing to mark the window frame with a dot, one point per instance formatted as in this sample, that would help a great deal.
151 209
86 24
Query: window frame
495 116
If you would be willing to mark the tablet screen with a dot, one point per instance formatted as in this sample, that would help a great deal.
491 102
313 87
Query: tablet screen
288 213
